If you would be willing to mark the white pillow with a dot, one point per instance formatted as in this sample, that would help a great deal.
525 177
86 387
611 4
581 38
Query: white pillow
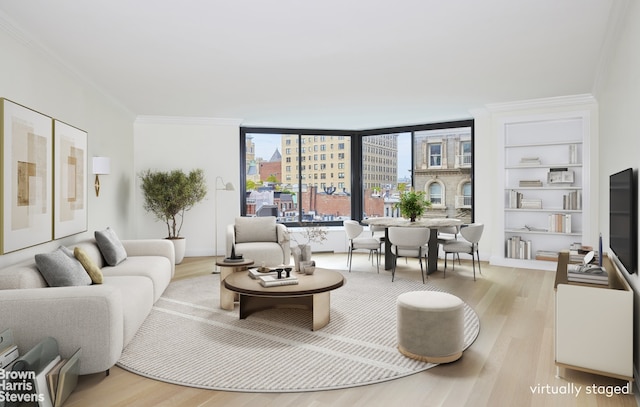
258 229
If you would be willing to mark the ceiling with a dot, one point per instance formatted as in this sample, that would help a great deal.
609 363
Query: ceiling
349 64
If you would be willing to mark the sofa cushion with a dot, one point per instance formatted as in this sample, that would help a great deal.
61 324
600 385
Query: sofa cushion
89 265
110 246
256 229
22 275
156 268
269 253
60 268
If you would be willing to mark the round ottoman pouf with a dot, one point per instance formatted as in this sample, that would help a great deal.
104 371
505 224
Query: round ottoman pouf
430 326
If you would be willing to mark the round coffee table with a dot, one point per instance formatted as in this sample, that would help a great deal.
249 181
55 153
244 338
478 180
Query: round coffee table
311 292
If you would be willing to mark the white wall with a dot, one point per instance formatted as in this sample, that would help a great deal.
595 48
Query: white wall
619 101
31 77
164 144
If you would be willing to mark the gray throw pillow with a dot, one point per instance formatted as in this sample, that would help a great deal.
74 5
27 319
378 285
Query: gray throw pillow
60 269
110 246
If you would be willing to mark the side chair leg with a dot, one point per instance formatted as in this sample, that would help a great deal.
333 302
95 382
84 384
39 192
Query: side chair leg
393 270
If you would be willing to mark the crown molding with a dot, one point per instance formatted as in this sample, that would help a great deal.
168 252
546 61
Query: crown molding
558 101
201 121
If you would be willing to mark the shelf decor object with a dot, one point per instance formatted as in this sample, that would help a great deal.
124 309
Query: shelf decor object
27 187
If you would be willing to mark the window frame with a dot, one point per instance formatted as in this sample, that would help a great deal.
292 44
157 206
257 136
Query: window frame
357 181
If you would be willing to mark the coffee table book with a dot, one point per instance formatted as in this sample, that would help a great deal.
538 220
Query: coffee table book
271 281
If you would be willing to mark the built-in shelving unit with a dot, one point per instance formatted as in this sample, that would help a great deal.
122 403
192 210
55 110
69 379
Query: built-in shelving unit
545 187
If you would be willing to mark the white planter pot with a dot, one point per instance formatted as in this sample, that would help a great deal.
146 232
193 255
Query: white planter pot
180 245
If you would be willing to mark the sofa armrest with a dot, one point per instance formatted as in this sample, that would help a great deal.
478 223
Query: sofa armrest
152 247
87 317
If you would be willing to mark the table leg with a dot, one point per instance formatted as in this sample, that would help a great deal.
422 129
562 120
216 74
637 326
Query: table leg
226 296
321 310
432 254
388 256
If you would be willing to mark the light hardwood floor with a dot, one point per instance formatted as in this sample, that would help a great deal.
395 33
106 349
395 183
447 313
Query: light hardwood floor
510 364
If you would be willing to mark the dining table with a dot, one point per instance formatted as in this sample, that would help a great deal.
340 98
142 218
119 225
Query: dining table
432 223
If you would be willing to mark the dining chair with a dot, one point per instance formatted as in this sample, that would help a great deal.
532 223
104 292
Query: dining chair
471 235
360 241
408 242
448 234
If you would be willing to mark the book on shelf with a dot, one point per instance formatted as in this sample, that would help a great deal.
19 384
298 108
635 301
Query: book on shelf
530 183
560 223
529 203
271 281
517 248
573 154
546 255
518 201
572 200
530 161
581 280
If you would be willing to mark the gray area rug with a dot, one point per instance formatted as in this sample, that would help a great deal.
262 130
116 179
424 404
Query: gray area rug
188 340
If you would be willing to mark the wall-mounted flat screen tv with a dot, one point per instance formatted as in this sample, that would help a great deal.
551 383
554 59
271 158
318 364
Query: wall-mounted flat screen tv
623 226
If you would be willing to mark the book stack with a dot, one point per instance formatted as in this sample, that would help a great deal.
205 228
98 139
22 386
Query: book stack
547 255
9 352
530 183
531 161
517 248
255 274
530 203
587 273
572 200
560 223
273 281
518 201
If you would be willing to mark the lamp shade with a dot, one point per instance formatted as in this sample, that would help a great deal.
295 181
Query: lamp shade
101 165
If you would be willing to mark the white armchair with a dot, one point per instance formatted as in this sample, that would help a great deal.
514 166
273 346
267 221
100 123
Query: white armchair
260 239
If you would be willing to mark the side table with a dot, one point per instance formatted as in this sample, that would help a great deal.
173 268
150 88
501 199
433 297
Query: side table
227 268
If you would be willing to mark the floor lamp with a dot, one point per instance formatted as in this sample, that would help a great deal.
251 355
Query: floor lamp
220 186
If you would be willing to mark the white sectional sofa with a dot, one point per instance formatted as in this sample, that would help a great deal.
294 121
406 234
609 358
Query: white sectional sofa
99 318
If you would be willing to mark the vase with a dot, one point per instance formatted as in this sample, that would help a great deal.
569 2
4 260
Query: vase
300 253
179 245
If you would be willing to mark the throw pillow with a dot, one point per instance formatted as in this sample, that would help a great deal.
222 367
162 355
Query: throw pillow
110 246
256 229
61 269
91 268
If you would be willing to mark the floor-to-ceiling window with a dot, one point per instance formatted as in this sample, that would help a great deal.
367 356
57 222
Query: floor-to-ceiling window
297 176
327 176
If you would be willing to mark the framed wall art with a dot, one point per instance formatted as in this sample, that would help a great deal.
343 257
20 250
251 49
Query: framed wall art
69 180
27 142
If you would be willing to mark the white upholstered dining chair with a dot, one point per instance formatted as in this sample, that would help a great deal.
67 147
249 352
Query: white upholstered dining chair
360 241
408 242
471 235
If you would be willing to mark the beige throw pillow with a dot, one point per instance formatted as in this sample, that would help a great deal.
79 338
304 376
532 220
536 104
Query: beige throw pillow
87 262
256 229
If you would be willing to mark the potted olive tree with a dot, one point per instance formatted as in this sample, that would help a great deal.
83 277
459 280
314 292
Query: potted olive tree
413 204
168 195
